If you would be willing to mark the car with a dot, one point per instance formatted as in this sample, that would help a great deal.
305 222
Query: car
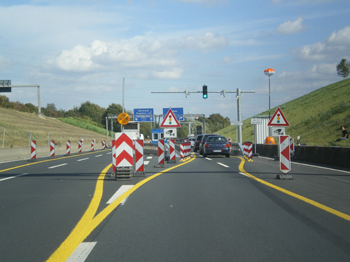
191 139
216 145
203 140
197 141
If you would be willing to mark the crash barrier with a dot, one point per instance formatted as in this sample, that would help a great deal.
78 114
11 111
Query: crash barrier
172 158
248 150
103 144
139 163
68 147
80 145
52 148
185 149
124 156
92 145
161 152
33 149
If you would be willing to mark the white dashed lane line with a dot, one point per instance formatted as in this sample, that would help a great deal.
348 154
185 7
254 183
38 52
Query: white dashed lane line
7 178
51 167
82 159
98 156
221 164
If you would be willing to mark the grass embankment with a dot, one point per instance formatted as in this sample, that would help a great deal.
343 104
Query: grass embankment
20 126
315 117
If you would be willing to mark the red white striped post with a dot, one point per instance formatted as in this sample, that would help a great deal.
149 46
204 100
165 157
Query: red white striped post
139 163
172 150
292 148
248 150
285 165
68 147
114 160
161 152
92 145
182 150
33 149
52 148
124 150
103 144
80 146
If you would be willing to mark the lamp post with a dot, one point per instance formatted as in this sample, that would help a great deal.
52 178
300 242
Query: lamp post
269 72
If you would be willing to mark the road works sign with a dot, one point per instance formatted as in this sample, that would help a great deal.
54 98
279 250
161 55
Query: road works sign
278 119
170 120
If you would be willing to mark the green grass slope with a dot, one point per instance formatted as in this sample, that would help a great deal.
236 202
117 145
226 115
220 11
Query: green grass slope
315 117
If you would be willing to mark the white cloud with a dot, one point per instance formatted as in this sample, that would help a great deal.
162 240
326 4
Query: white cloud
176 73
204 43
334 47
291 27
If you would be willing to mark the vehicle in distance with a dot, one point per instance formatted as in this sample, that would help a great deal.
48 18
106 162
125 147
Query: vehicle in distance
197 141
201 145
216 145
191 139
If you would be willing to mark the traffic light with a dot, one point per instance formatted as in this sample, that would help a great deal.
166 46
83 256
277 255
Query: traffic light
205 92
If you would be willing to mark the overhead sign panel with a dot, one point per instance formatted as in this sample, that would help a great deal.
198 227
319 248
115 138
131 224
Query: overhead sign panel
278 119
143 115
179 113
170 120
5 86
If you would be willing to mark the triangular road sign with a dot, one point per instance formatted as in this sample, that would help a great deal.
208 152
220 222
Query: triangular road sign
170 120
278 119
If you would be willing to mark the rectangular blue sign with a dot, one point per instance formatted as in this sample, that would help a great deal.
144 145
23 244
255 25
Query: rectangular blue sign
143 115
178 112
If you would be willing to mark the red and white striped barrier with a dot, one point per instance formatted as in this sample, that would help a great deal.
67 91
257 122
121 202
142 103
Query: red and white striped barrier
182 150
103 144
139 165
285 165
161 152
248 150
80 143
92 145
52 148
124 150
68 147
172 150
292 149
185 149
33 149
114 159
188 149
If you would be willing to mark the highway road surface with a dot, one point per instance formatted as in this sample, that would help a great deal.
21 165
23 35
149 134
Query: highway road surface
70 208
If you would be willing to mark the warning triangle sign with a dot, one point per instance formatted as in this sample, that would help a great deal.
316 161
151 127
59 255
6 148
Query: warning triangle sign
278 119
170 120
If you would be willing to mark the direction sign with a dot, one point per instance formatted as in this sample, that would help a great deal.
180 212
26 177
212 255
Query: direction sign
179 113
143 115
170 120
278 119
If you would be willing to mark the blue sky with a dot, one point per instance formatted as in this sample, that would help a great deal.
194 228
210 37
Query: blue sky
80 51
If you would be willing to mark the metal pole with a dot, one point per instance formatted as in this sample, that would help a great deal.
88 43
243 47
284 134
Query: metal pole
269 106
112 128
239 115
39 107
106 130
203 122
123 92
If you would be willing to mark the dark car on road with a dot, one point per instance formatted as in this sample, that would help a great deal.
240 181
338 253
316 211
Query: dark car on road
197 142
203 140
216 145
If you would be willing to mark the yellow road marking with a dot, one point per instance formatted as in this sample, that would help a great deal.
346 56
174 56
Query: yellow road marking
88 222
309 201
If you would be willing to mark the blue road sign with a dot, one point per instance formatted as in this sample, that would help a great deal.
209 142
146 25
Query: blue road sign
143 115
178 112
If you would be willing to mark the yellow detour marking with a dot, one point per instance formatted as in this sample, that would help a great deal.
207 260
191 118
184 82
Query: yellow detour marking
123 118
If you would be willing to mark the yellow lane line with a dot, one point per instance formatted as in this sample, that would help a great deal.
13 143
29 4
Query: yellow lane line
309 201
48 160
88 222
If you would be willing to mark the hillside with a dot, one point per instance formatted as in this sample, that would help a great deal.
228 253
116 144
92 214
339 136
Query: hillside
315 117
18 125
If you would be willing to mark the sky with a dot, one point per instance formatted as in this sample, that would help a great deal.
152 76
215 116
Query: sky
80 51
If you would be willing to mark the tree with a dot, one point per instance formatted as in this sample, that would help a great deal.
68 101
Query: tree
343 68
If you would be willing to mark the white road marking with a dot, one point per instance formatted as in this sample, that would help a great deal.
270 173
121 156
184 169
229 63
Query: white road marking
82 159
81 252
108 153
207 158
7 178
221 164
57 166
146 162
243 174
149 157
98 155
117 194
